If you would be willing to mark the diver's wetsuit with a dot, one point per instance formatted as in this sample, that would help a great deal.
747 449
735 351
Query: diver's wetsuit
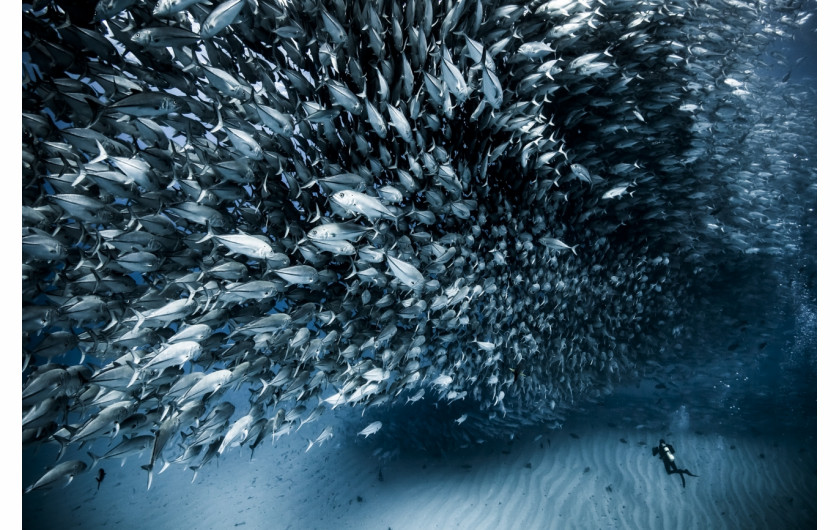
666 453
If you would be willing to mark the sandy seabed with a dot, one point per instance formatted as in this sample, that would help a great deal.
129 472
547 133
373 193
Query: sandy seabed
579 476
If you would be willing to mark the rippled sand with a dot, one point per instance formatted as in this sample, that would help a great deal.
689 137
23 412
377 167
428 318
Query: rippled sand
574 477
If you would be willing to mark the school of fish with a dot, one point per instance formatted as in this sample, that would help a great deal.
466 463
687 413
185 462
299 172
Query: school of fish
342 203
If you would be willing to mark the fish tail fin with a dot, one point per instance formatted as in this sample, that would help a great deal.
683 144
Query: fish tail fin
210 234
103 154
148 469
353 268
91 334
140 319
98 110
134 375
264 387
192 290
317 214
94 458
220 122
63 442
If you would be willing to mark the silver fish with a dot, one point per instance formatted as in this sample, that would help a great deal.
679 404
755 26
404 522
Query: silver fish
62 474
245 244
372 428
405 272
221 17
353 202
164 36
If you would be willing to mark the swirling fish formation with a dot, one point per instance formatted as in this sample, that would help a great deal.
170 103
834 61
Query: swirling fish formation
346 203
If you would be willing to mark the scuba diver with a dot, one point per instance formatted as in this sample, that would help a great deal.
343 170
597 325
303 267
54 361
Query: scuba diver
666 453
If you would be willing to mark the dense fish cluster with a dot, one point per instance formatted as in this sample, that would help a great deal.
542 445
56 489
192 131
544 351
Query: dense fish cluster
345 203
